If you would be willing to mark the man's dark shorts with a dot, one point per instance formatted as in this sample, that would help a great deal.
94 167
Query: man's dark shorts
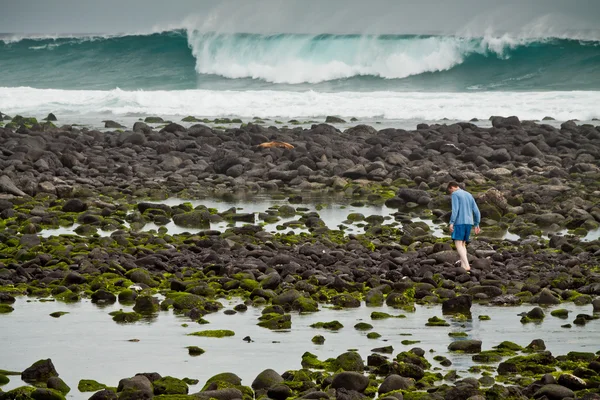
462 232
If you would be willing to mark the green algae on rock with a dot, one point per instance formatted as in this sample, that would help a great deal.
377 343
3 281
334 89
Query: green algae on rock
195 350
168 385
382 315
318 339
560 313
363 326
125 317
89 385
275 321
5 309
332 325
436 321
58 314
219 333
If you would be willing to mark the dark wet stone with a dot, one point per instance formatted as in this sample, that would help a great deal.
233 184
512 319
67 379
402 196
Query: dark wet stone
467 346
40 371
219 394
395 382
546 297
537 345
351 381
104 394
75 206
554 392
266 379
460 304
138 383
279 392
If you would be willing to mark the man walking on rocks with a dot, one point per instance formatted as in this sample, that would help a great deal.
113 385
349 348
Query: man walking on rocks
465 215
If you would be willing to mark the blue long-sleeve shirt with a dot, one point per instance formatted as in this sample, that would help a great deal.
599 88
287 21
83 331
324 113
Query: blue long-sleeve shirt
464 209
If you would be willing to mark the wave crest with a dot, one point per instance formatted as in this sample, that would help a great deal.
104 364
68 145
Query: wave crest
294 59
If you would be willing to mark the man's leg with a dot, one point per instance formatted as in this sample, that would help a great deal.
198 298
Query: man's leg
461 248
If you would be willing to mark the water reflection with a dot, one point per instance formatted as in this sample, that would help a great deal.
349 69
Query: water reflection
334 214
87 344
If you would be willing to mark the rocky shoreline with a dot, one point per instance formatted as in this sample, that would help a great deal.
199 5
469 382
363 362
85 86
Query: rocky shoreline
528 177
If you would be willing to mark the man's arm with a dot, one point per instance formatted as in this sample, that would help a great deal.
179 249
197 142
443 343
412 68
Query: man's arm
454 210
476 216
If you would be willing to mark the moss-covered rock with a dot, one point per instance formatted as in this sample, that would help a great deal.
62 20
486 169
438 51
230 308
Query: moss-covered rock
275 321
345 300
534 315
58 314
436 321
170 385
318 339
146 305
560 313
349 361
186 301
125 317
67 297
311 361
533 364
127 296
5 309
39 372
492 356
58 384
4 379
413 358
140 275
195 351
305 304
373 335
376 315
20 393
404 300
196 219
47 394
220 333
363 326
332 325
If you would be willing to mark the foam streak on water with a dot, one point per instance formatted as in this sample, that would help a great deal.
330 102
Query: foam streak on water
309 104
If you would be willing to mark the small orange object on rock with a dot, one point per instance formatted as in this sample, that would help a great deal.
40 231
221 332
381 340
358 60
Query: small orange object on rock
268 145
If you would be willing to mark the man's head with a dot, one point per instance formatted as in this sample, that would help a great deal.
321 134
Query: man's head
452 187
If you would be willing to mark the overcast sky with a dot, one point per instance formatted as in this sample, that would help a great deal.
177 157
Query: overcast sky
308 16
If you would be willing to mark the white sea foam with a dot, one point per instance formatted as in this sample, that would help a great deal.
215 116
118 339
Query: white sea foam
580 105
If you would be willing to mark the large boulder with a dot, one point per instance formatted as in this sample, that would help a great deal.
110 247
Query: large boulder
104 394
39 372
196 219
396 382
266 379
546 297
350 361
512 122
219 394
466 346
350 381
139 383
554 392
457 305
414 196
8 186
